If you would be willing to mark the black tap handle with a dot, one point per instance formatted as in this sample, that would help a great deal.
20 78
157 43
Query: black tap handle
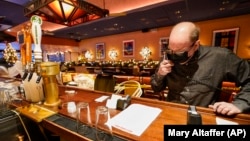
38 79
30 76
25 75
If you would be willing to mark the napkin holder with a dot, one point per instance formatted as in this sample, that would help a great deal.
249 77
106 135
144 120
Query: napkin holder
123 103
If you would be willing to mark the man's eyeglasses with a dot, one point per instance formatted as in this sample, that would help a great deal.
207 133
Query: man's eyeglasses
180 53
180 56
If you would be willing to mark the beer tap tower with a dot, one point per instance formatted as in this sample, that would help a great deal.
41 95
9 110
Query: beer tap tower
31 89
47 70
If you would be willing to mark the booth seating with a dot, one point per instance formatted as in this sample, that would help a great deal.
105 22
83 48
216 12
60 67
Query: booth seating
104 82
66 77
82 80
228 92
107 83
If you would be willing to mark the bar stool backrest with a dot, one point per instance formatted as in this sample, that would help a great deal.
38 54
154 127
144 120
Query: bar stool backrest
130 87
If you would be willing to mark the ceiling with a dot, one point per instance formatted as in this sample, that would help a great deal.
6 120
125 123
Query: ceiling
140 15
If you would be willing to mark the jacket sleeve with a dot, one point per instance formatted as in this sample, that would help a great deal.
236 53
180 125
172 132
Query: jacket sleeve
240 69
158 83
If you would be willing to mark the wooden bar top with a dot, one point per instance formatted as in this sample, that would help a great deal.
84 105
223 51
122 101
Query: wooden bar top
172 114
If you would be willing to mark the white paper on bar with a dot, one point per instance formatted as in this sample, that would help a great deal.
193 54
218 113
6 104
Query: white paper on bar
102 98
135 119
220 121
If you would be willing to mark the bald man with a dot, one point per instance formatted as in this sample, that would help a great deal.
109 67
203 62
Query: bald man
194 74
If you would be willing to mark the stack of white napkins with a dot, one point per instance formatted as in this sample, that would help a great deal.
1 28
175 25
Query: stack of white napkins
101 99
135 119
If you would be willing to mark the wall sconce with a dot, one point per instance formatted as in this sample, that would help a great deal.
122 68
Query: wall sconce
145 52
88 55
113 54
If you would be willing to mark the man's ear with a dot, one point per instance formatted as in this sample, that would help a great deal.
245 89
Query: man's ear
197 44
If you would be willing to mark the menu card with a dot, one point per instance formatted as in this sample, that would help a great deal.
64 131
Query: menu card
135 119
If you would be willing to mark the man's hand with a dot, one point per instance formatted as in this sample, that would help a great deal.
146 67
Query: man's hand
225 108
165 67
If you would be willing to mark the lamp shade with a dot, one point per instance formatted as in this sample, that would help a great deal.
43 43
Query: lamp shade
66 12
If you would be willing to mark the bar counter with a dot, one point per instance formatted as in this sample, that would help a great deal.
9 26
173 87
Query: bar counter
172 114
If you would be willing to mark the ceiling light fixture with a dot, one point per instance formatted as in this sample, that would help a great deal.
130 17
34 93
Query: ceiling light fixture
65 12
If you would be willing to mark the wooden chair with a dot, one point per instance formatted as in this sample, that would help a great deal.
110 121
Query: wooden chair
149 93
228 91
66 77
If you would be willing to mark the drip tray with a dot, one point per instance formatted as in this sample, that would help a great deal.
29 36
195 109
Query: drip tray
71 125
6 115
35 112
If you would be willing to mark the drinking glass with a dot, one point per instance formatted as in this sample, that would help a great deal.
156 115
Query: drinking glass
103 130
4 100
70 95
70 106
83 124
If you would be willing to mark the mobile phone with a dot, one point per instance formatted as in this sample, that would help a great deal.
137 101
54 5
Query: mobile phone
165 57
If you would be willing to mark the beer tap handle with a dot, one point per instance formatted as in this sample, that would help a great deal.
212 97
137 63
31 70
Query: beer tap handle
25 75
26 72
38 71
38 79
30 76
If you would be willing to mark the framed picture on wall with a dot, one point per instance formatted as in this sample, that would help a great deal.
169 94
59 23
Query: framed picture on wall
100 51
163 45
227 38
128 48
56 57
